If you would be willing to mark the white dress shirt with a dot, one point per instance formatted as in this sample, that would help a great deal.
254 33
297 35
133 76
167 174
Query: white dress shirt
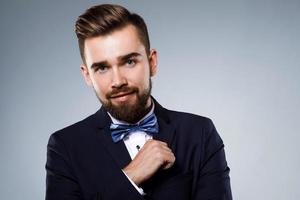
134 141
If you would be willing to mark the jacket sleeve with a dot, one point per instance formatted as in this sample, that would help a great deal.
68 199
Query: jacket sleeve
61 182
213 181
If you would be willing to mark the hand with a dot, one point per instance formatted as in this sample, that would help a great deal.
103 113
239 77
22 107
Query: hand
153 156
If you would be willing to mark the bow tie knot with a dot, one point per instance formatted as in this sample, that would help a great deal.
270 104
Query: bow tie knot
148 125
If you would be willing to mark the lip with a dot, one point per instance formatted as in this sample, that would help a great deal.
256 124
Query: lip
121 94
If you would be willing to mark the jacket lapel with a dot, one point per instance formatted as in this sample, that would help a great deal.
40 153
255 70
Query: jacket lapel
117 150
166 128
166 134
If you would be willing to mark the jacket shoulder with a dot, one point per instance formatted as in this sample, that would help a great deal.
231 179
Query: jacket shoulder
192 127
190 118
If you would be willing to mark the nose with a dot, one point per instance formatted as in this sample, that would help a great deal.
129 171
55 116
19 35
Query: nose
118 79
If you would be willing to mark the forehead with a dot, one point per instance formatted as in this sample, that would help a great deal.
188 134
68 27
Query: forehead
111 46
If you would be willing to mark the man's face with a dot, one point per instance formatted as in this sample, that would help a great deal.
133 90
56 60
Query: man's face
119 70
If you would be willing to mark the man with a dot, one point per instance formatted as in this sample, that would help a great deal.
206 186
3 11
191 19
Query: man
132 148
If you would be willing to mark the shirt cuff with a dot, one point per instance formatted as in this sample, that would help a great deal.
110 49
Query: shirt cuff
139 189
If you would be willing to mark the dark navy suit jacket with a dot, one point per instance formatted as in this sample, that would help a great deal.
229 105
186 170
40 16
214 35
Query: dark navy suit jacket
84 163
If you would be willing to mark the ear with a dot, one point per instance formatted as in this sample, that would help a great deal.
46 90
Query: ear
153 62
86 75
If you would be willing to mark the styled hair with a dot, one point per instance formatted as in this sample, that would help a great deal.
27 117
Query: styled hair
104 19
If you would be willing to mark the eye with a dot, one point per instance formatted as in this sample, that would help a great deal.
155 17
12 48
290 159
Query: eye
101 68
130 62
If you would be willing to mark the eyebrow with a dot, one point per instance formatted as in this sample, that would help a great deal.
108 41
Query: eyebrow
98 64
127 56
119 58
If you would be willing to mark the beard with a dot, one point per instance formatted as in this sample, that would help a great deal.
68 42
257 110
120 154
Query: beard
128 112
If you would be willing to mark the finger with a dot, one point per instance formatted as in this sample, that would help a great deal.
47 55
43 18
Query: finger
155 142
155 146
166 148
169 163
168 157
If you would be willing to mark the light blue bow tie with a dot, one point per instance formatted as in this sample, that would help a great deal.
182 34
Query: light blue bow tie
148 125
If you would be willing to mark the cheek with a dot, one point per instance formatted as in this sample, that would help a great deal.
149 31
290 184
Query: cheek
140 78
144 72
100 85
146 77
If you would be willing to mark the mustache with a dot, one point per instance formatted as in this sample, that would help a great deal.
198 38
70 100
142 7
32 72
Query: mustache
124 89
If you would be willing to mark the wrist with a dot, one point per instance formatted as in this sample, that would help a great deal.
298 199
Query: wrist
133 175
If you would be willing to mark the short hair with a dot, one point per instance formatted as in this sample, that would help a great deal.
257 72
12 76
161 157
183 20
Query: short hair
104 19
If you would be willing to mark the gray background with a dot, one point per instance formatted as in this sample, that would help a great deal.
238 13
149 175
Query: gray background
236 62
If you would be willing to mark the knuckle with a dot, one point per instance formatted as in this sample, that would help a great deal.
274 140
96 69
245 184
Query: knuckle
159 156
174 159
153 143
156 148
